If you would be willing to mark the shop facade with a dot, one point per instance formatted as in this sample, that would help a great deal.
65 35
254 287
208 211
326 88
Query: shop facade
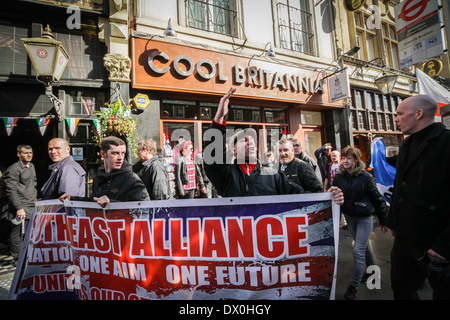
185 82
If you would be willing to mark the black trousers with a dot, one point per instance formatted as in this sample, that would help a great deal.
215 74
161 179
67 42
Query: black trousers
408 271
16 238
188 194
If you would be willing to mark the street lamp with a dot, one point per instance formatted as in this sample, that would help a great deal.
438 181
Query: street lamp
49 59
386 83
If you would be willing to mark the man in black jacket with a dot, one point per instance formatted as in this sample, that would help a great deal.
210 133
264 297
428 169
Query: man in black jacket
296 170
245 176
115 180
419 213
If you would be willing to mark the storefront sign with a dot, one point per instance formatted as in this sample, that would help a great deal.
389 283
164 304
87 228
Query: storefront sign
339 86
141 101
162 65
432 67
353 5
418 31
279 247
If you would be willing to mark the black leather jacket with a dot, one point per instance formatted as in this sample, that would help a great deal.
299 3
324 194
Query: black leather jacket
361 194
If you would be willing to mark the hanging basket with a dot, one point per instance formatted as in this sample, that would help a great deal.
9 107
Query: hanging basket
119 127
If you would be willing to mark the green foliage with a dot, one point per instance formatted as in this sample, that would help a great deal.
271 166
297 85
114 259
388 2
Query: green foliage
116 120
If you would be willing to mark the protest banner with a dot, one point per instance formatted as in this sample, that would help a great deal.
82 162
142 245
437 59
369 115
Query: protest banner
277 247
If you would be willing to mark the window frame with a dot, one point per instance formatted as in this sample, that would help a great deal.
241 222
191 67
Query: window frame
305 10
210 25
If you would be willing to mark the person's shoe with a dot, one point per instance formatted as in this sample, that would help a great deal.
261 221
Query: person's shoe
351 292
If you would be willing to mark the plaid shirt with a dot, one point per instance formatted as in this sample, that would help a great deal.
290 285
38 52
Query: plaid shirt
191 176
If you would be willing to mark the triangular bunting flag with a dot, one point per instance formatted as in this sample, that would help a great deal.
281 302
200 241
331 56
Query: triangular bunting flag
97 126
42 123
73 124
10 123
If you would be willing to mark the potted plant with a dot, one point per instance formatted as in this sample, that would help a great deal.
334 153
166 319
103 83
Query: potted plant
115 120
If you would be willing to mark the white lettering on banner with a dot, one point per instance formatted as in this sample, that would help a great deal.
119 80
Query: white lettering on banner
238 238
236 248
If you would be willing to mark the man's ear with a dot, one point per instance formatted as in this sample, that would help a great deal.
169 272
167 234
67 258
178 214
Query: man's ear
102 154
419 114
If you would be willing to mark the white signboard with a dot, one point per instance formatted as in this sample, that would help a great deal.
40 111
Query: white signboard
339 86
77 154
418 31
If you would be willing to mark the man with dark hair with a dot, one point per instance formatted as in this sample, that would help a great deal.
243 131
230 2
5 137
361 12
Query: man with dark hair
20 181
67 175
296 170
246 176
419 212
151 171
115 180
323 159
299 154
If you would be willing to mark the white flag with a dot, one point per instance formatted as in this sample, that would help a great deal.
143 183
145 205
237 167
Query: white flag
430 87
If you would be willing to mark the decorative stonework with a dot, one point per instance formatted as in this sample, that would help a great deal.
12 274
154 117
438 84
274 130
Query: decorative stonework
119 67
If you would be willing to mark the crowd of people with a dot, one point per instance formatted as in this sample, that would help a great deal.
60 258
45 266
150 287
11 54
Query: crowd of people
418 216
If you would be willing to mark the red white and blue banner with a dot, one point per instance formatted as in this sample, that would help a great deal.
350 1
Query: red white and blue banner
277 247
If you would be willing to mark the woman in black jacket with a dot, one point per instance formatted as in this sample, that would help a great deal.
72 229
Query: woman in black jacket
362 200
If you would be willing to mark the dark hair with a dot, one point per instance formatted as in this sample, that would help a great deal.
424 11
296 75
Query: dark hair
23 146
111 141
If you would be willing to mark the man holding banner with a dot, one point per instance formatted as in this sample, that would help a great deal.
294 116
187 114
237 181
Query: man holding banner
419 214
115 180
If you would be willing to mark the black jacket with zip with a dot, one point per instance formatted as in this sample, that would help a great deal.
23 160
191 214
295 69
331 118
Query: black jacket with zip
119 185
231 181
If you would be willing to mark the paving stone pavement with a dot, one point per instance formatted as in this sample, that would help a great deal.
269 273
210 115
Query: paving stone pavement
7 270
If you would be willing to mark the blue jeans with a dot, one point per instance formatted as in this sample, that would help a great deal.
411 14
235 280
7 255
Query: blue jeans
360 228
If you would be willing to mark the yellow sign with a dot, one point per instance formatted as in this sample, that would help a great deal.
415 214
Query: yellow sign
141 101
432 67
353 5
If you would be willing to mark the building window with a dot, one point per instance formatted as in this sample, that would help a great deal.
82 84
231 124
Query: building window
311 118
86 54
365 37
213 15
295 25
390 45
85 102
371 121
373 112
13 56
